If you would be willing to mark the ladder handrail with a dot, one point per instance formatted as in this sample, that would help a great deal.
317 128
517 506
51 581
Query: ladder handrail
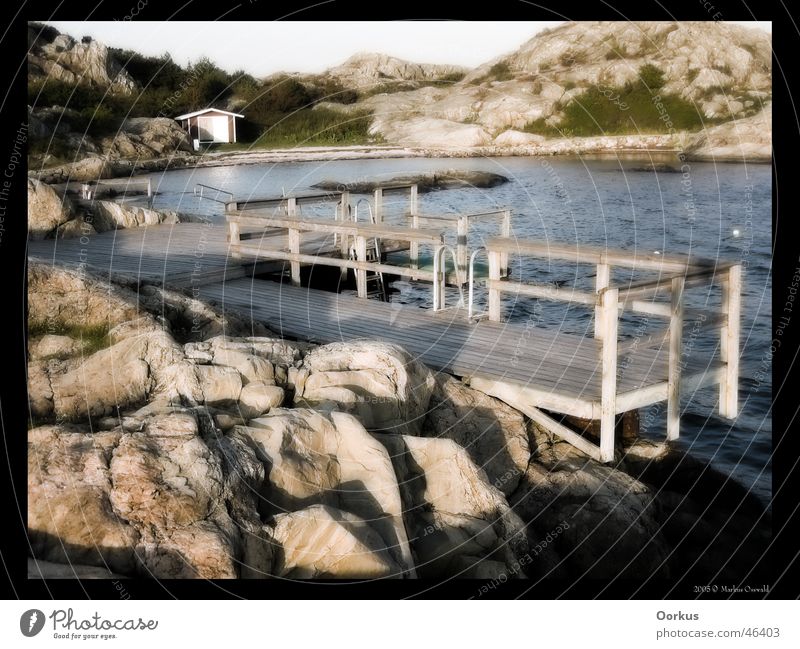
470 304
216 189
439 276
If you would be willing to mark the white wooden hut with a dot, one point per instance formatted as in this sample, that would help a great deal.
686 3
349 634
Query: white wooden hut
210 125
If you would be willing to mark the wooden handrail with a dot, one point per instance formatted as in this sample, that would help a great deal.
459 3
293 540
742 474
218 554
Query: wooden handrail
259 203
338 227
544 291
650 288
596 255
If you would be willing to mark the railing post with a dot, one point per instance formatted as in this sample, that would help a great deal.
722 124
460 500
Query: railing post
233 238
379 205
438 278
294 248
462 236
413 253
494 292
729 342
675 353
361 273
291 206
609 299
505 231
602 281
344 239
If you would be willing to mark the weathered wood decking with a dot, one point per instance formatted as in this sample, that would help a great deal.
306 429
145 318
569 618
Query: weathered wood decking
529 367
175 256
556 367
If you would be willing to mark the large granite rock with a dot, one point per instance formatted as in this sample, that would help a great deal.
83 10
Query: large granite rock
158 501
493 433
329 459
380 383
46 210
65 296
70 515
606 520
455 517
60 57
109 215
746 139
169 485
320 542
121 376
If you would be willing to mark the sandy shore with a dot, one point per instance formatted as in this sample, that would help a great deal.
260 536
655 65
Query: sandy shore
660 147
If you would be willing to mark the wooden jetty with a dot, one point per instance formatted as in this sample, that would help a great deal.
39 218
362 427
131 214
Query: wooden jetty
530 368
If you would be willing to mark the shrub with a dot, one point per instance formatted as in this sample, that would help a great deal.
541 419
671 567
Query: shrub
651 77
500 72
280 96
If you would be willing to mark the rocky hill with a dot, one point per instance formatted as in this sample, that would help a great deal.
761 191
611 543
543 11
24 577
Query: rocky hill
720 71
582 86
60 57
369 69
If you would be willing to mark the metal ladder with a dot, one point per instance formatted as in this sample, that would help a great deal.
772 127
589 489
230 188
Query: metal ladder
376 287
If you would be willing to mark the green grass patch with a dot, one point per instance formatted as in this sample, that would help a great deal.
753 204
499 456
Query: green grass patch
624 110
93 337
317 127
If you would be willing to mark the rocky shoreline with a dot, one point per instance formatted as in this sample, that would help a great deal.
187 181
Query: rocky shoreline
197 445
729 149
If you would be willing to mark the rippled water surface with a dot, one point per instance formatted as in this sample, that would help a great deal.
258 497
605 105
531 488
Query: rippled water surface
714 211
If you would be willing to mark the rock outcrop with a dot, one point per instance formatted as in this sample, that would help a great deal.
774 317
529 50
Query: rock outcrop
60 57
743 139
46 210
108 215
724 69
366 69
494 434
330 459
150 502
446 179
255 457
380 383
322 542
454 516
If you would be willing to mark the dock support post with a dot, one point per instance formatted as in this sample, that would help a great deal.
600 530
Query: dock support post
729 342
233 238
361 273
602 280
439 278
505 231
344 239
675 353
294 248
379 205
462 235
494 293
413 201
609 299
